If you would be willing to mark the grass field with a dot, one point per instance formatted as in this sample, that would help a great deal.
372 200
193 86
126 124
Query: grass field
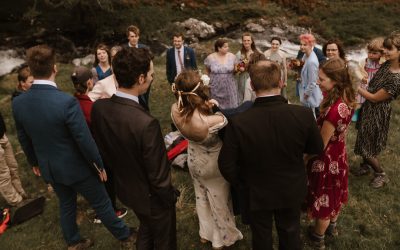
371 219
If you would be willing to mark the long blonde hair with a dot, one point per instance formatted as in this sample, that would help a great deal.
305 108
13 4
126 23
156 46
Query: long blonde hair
337 70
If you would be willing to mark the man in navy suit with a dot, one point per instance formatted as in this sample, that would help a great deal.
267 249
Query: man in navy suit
133 34
179 58
57 142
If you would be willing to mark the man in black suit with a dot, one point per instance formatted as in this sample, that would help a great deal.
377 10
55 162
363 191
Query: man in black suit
179 57
131 144
263 153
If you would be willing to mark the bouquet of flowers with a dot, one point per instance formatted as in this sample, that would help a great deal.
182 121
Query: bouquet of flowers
242 65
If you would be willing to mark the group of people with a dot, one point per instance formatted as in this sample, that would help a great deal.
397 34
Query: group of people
250 152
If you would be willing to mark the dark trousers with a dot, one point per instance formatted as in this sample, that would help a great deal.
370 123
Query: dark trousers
94 192
158 230
110 188
287 222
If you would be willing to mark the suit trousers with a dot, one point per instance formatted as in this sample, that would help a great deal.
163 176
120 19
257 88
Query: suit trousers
287 222
10 183
158 230
92 189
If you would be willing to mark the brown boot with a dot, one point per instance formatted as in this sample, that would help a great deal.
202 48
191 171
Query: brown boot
129 243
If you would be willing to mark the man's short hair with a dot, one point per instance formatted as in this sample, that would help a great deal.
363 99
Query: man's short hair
178 34
129 63
265 75
23 73
41 61
134 29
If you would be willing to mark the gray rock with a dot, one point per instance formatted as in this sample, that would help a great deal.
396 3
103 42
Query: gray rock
197 28
255 27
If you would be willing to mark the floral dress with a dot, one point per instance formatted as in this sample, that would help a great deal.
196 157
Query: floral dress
222 81
328 173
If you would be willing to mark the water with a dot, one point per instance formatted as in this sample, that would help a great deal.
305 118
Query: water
9 60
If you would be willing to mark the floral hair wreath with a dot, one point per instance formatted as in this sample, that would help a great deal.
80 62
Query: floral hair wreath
180 93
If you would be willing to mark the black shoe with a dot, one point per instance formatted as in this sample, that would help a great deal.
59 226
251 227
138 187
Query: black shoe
364 169
332 230
82 244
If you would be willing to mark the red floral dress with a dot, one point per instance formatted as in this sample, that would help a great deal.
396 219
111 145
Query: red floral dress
328 173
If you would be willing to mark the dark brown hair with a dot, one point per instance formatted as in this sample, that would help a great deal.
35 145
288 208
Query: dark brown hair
339 44
134 29
219 43
337 70
186 81
23 73
392 40
41 61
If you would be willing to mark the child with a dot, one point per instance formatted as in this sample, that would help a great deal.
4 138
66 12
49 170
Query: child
371 65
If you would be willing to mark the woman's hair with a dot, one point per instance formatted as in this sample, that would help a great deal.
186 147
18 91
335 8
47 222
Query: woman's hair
253 45
191 94
339 45
308 38
104 47
336 69
376 44
219 43
277 39
392 40
23 73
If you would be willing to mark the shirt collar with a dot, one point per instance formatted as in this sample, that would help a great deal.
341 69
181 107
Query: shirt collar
128 96
46 82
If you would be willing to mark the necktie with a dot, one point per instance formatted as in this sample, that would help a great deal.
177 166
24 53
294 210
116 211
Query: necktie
180 60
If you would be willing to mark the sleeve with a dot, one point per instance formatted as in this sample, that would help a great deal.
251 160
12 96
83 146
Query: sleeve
168 67
393 86
228 157
95 76
193 59
156 163
96 93
312 72
76 124
337 113
25 141
314 143
207 62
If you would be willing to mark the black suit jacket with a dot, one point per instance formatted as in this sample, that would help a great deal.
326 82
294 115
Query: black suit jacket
263 150
132 146
189 62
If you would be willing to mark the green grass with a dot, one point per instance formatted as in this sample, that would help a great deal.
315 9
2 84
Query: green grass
369 221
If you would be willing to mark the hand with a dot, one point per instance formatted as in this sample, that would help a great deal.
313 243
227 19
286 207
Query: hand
305 97
36 170
103 175
242 69
364 80
212 102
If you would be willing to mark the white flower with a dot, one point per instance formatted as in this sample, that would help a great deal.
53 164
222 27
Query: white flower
205 78
334 167
317 166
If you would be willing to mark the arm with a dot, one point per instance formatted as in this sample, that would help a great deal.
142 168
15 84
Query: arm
79 130
95 76
229 156
284 69
312 73
156 164
97 92
193 59
327 131
380 96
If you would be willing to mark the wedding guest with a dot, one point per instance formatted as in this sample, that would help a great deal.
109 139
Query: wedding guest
193 116
276 55
310 94
373 124
133 34
220 66
102 63
262 155
25 80
179 58
82 80
10 182
244 56
132 146
59 147
333 48
328 172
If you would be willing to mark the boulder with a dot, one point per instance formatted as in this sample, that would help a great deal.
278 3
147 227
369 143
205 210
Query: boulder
255 28
196 28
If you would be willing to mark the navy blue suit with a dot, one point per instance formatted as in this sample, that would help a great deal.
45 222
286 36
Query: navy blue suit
189 62
54 136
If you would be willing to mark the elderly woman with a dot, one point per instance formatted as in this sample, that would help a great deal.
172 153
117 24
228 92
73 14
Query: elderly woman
328 172
310 94
220 66
375 113
194 118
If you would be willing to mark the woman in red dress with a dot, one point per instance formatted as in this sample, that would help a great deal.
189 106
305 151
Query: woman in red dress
327 173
